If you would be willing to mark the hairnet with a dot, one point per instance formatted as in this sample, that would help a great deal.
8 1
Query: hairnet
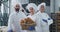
14 4
34 6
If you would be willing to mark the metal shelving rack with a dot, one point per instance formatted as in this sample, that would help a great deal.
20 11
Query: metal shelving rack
55 27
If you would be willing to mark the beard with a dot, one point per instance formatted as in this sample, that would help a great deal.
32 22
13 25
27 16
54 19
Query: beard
17 10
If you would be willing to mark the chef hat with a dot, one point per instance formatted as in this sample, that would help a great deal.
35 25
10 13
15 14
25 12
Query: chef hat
34 6
39 6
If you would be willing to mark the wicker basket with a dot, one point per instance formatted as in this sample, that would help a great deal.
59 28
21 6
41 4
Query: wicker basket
26 23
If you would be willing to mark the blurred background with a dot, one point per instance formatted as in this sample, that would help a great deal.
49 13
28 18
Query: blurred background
53 9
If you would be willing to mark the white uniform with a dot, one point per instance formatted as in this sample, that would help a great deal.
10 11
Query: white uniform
46 21
34 6
42 25
14 21
43 20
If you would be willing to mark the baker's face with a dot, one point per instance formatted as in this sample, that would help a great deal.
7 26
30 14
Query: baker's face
31 10
42 8
17 7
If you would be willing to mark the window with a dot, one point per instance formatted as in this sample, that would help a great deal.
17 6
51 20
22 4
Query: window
40 1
